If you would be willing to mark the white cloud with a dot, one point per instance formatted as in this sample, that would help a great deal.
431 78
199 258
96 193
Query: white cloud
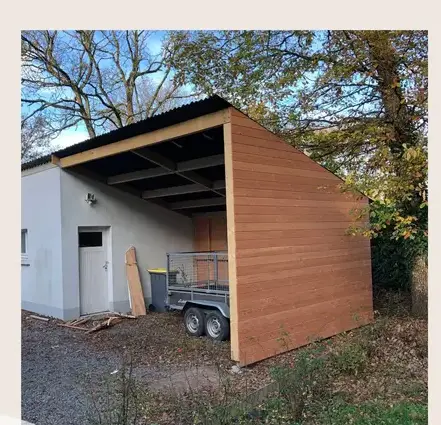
70 137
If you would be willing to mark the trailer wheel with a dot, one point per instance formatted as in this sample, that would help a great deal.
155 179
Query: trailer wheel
194 320
217 327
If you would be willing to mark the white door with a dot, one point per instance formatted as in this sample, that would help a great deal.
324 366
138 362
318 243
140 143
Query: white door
93 271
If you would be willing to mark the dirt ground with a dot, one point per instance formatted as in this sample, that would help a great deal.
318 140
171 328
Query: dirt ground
63 369
66 373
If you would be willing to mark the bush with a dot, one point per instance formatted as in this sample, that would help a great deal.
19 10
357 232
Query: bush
305 382
351 359
393 261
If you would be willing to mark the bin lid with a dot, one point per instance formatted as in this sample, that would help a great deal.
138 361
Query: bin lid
162 271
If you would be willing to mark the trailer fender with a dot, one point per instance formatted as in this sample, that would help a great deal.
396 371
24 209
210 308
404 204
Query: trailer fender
209 305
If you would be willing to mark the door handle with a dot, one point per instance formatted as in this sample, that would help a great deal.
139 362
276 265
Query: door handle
105 265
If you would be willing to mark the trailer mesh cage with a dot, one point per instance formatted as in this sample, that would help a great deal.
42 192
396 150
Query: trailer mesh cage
203 271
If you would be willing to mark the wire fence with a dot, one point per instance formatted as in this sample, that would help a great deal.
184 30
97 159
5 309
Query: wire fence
205 271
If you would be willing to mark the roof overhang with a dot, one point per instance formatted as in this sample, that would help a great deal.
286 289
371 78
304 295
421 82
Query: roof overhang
177 163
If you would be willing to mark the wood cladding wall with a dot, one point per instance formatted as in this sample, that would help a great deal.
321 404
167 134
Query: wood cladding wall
210 234
294 273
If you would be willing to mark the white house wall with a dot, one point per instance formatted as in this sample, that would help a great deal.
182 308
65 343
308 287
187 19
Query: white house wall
153 230
41 277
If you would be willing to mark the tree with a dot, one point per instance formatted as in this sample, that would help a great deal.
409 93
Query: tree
35 137
101 79
355 101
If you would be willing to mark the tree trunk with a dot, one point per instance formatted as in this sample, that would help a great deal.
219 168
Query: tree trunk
419 287
395 108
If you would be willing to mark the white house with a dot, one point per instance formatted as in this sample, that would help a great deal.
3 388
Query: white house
73 251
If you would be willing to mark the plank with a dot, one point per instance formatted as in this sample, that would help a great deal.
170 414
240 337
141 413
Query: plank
247 144
177 130
259 281
311 195
231 238
268 251
260 176
307 225
337 206
136 295
299 185
339 240
318 259
299 315
288 210
300 256
297 289
283 218
259 349
297 233
285 171
297 162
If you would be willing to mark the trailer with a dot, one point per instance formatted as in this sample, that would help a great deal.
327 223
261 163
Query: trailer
197 284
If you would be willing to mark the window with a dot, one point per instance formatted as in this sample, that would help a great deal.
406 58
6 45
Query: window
24 247
90 239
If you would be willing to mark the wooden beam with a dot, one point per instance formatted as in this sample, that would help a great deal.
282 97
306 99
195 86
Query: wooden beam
182 166
219 184
172 167
195 164
195 125
80 170
181 190
176 190
156 158
138 175
231 237
209 214
198 203
196 178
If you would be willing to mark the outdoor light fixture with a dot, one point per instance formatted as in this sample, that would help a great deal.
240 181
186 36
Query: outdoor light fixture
90 199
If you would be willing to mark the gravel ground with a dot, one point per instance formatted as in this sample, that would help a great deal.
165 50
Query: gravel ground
62 368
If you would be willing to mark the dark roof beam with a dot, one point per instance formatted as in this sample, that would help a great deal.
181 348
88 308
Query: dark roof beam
181 190
138 175
198 203
171 167
205 162
193 164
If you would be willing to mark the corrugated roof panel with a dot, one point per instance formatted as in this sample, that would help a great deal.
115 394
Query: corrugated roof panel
173 116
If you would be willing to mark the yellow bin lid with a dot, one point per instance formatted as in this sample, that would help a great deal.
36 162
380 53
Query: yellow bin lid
157 270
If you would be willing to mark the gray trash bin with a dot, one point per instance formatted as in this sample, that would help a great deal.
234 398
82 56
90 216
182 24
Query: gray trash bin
159 289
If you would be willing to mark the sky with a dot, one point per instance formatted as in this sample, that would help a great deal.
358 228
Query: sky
79 133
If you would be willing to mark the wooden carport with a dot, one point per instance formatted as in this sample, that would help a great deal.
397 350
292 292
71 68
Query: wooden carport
294 273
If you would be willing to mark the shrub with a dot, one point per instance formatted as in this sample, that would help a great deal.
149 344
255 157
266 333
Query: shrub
351 359
122 409
306 381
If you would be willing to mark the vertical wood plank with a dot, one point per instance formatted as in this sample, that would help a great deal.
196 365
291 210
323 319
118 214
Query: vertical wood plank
229 180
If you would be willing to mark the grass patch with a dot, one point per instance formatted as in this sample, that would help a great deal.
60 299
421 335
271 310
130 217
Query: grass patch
375 414
374 375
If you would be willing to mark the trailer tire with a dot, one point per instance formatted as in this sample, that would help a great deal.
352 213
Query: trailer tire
217 327
194 320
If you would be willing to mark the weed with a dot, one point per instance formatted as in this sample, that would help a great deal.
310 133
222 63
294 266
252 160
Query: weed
305 381
374 414
351 358
125 408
